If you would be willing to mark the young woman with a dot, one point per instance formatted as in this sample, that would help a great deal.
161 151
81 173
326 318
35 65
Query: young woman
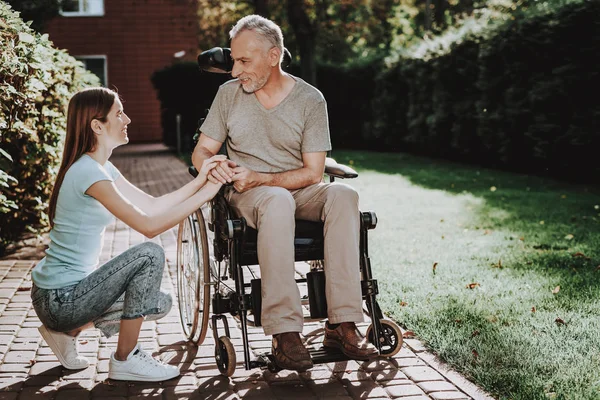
70 293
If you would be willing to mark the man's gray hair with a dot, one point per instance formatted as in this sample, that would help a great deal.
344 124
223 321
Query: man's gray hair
266 28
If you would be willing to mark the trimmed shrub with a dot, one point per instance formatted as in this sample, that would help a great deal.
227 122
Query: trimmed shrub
36 83
514 94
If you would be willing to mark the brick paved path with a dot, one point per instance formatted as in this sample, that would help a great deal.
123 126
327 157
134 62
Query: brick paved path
29 370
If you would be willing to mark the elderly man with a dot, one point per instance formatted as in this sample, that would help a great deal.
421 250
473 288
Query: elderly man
277 134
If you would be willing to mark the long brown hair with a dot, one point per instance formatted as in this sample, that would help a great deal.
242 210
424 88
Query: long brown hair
84 106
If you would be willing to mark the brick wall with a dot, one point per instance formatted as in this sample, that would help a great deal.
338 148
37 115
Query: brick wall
138 37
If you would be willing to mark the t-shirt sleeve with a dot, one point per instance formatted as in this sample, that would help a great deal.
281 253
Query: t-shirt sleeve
316 129
112 171
215 124
89 173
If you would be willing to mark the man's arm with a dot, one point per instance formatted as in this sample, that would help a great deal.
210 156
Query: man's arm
206 148
309 174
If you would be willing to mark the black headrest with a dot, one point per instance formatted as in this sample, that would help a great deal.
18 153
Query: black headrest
218 59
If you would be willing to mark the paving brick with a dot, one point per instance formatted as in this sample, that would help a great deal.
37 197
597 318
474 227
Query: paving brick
21 357
448 396
364 389
420 374
410 389
436 386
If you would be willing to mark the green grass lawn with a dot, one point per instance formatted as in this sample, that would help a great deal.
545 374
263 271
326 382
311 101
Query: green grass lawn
497 273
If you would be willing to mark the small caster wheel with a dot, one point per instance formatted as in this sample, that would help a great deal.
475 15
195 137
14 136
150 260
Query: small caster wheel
225 356
390 338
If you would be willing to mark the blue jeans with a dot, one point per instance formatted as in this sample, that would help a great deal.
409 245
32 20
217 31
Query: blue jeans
126 287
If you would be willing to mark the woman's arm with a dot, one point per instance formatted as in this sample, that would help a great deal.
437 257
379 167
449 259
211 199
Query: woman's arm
108 194
156 205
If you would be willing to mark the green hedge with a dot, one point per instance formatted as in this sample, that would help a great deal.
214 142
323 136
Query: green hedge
36 83
519 95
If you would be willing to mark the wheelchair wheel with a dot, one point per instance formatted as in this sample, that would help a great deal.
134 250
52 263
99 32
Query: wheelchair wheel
193 276
390 338
225 356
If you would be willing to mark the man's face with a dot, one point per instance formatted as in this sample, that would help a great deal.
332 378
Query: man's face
252 64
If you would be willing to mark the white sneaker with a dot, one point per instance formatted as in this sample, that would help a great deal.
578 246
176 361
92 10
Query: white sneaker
64 348
140 366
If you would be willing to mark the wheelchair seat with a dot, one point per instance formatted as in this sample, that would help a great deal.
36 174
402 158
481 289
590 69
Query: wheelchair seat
308 243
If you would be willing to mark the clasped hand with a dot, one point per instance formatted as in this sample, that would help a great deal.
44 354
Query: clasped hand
227 171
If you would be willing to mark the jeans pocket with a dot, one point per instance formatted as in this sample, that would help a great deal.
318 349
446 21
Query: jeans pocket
61 306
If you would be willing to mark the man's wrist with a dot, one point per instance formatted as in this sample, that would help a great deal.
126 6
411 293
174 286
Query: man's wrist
263 179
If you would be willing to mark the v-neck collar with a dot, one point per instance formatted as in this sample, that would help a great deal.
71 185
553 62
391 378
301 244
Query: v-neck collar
285 99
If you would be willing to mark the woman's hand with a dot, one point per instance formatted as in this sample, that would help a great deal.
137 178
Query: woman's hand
209 164
211 189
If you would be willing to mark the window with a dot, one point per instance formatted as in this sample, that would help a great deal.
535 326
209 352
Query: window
96 65
82 8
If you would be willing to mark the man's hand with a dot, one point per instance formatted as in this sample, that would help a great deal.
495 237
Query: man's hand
223 172
209 164
245 179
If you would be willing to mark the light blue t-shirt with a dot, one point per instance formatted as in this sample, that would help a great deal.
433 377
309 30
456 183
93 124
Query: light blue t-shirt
79 223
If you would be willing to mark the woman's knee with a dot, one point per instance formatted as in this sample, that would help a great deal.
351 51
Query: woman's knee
154 251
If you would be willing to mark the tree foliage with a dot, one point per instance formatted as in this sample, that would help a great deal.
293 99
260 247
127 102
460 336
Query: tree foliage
36 83
37 11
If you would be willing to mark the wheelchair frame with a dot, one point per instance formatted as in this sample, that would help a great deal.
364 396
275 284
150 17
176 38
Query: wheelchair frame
198 271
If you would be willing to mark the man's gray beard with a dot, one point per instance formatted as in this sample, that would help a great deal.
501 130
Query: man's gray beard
259 85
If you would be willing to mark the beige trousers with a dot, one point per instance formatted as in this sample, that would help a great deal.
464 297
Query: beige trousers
272 212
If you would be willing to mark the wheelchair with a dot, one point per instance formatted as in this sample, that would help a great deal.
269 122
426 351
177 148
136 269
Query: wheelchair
212 272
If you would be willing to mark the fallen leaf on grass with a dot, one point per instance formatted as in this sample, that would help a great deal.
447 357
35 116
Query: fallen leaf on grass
533 309
475 353
560 321
556 290
498 265
434 267
475 333
408 335
580 254
472 285
569 237
403 304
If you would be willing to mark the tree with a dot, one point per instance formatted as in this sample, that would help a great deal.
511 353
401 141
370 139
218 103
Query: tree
306 33
37 11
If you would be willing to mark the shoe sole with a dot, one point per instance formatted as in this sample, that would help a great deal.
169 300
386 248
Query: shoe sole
54 347
336 345
123 376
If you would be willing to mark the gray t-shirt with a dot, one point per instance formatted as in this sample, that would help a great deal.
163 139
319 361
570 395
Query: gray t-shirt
269 140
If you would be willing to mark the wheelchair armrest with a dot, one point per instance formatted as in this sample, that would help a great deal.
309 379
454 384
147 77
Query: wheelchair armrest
332 168
193 171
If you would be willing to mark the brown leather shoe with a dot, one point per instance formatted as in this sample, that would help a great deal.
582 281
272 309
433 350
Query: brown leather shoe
350 341
290 353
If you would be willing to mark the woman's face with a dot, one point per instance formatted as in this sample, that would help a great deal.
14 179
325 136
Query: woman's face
116 124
